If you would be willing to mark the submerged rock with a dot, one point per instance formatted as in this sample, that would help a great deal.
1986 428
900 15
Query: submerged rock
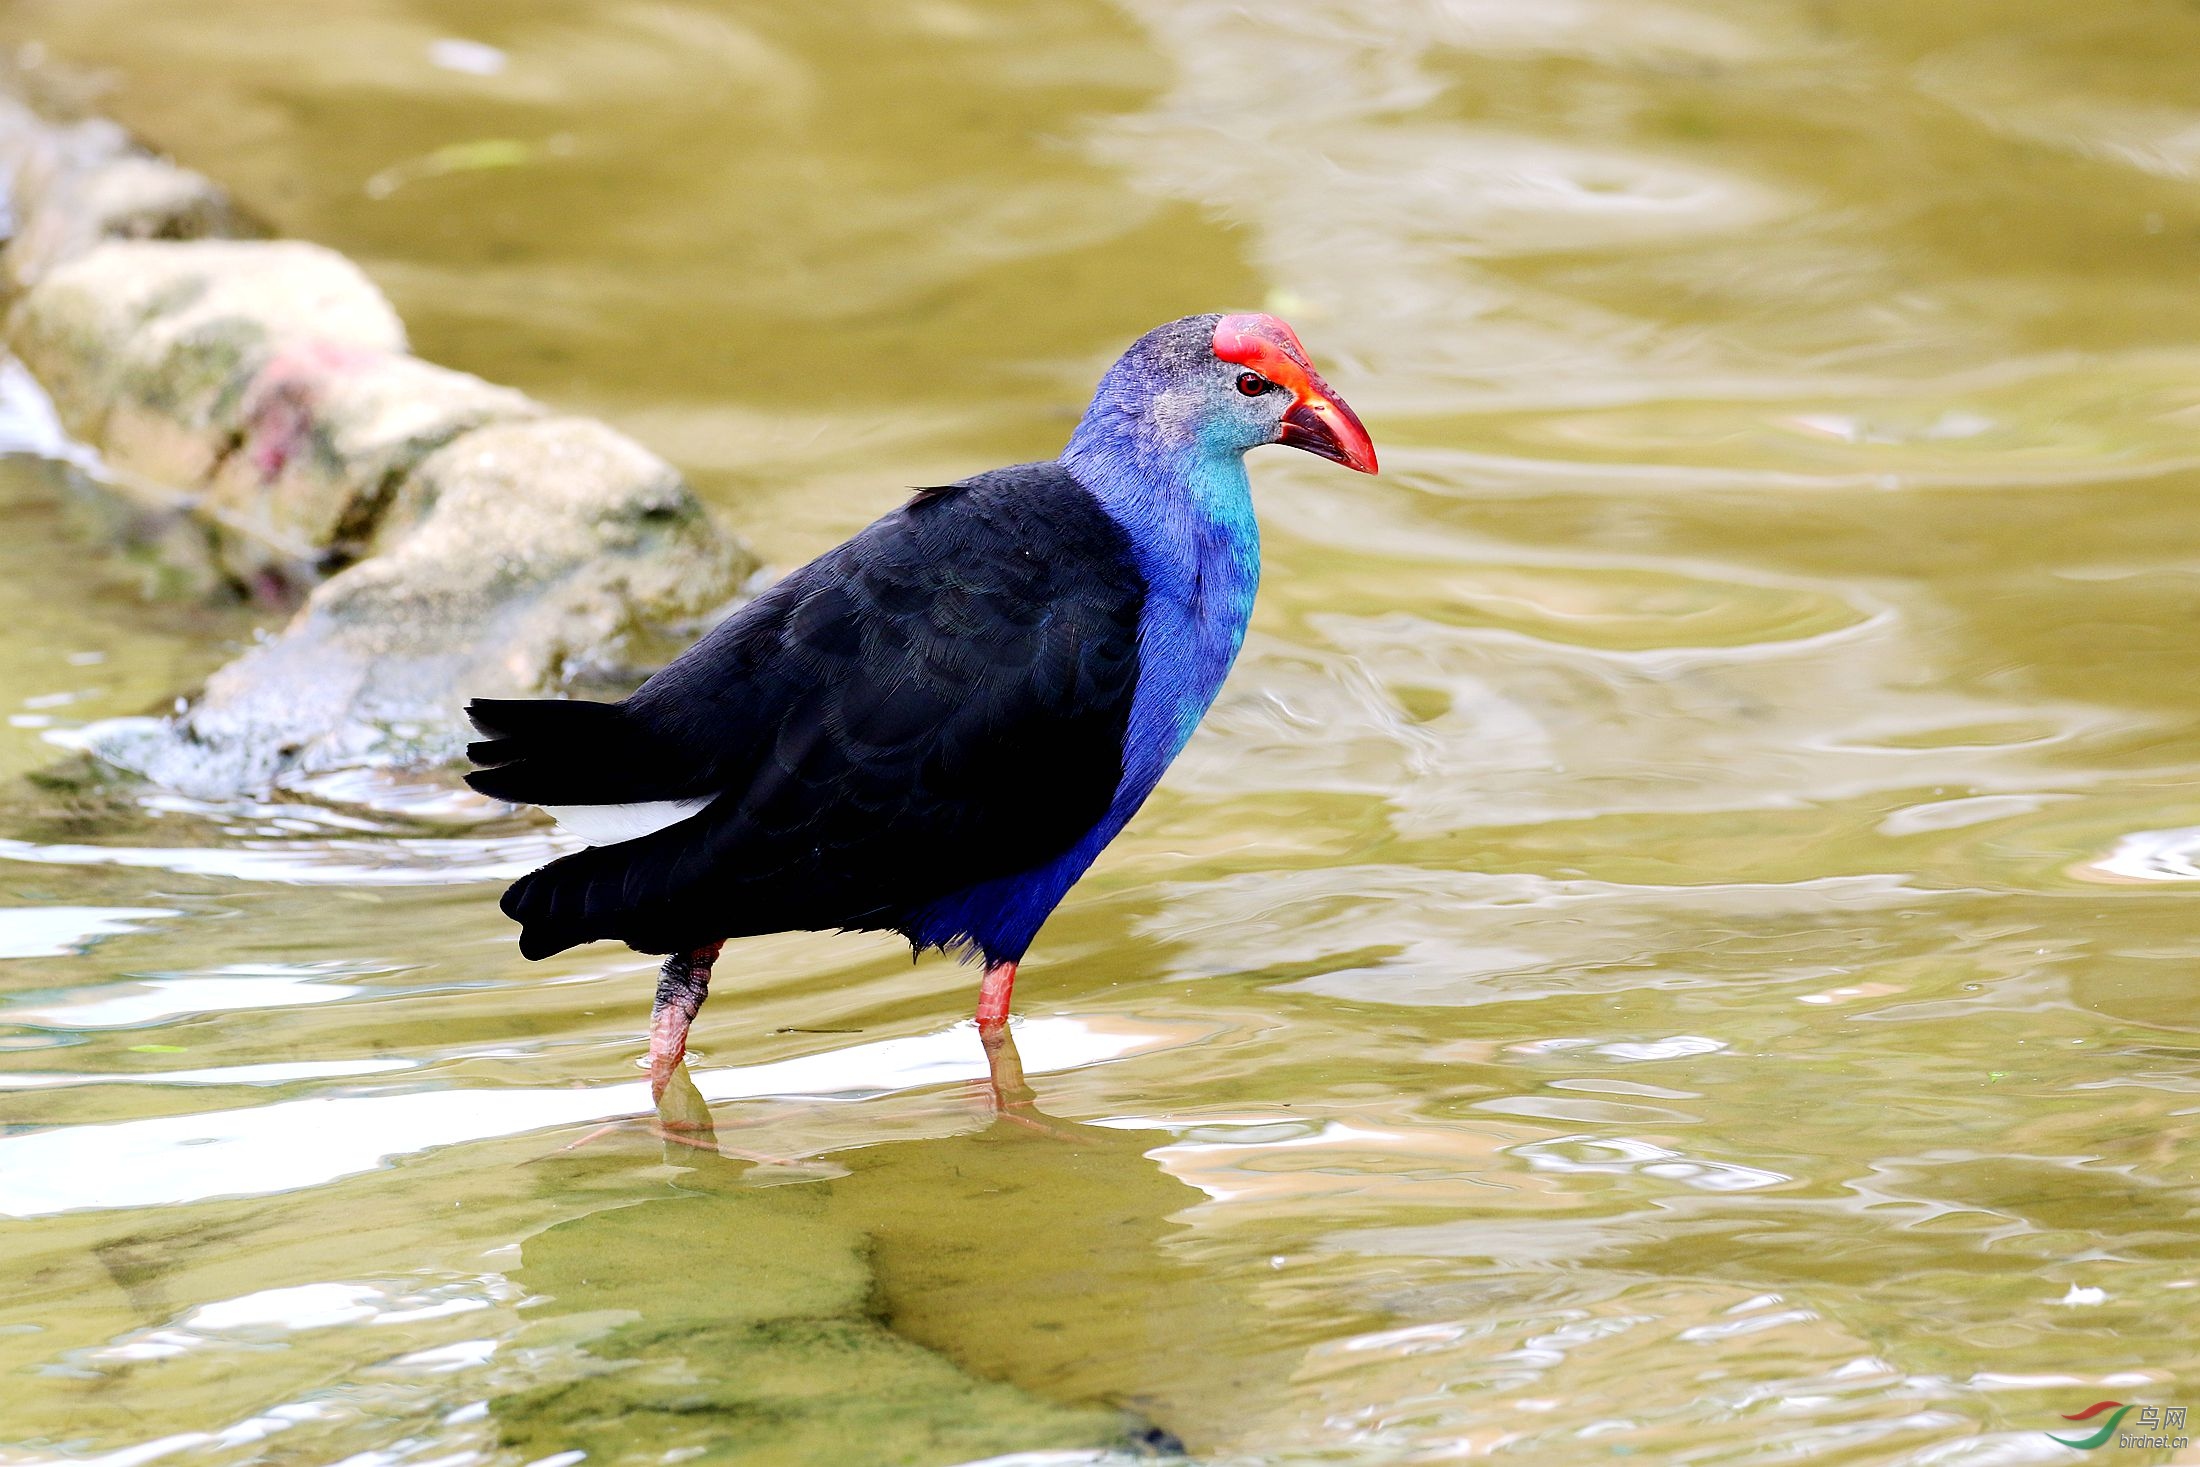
740 1325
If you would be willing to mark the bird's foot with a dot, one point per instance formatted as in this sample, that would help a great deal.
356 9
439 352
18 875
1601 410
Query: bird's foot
677 1133
1004 1092
703 1137
683 1118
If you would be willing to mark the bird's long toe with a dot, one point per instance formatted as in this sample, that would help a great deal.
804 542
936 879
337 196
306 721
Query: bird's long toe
668 1031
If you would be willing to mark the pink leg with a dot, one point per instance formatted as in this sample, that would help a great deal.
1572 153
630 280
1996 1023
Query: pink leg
681 989
1000 981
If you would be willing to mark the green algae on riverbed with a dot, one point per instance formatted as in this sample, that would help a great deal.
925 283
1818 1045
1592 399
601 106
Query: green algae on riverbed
747 1331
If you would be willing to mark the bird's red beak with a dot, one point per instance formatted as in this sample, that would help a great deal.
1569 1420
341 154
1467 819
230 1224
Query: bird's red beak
1323 423
1318 420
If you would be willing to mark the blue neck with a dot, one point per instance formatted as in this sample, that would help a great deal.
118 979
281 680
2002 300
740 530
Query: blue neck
1187 507
1181 503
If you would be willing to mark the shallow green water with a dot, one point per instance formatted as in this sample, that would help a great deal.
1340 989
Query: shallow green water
1681 940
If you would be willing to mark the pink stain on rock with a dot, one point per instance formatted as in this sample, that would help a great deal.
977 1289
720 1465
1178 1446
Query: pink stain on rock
279 405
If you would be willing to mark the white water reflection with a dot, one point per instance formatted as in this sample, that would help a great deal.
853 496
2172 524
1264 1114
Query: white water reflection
168 1160
383 862
252 1429
1623 1155
1676 1046
52 932
280 1073
2154 855
268 1315
150 999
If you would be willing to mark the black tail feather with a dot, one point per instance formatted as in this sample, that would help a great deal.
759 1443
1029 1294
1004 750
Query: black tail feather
551 751
556 751
590 895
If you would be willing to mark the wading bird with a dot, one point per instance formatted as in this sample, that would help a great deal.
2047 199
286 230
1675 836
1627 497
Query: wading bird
936 727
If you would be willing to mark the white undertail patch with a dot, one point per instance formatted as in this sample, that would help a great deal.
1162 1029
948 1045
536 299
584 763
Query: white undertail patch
607 825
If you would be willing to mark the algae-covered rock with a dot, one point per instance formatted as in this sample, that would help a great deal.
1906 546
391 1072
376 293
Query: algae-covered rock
130 197
536 552
148 347
74 185
537 549
328 433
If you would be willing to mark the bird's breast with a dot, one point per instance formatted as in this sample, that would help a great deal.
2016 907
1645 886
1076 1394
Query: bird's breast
1193 624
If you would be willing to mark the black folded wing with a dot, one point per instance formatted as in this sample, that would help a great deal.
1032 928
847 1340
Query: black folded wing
938 702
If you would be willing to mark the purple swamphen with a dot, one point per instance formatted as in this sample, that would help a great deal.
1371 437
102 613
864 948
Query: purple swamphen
936 727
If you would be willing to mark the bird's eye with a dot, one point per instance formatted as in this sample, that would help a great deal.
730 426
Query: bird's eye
1252 384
